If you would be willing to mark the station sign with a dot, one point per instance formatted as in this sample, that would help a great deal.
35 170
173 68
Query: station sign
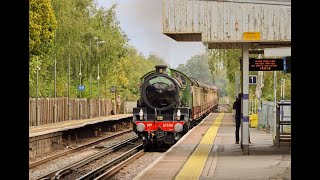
265 64
251 36
252 79
81 87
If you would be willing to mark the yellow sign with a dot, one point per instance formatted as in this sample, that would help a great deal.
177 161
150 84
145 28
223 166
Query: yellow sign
255 36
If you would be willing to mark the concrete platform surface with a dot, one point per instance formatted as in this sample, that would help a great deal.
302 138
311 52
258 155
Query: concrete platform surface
226 160
264 161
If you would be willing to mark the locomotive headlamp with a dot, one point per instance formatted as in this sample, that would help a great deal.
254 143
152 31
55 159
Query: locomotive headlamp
141 114
178 114
140 127
178 127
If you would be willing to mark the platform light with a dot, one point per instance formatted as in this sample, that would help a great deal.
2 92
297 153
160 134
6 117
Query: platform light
141 114
178 114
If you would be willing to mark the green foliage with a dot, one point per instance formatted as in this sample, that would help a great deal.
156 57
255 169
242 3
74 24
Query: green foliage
268 89
225 68
87 36
42 26
197 67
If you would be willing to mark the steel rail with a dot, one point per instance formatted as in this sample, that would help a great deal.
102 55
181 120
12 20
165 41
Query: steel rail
121 165
100 170
63 171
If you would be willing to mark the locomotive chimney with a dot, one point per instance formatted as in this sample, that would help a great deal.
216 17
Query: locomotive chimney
161 68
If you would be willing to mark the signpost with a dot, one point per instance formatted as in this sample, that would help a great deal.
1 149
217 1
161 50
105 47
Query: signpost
80 88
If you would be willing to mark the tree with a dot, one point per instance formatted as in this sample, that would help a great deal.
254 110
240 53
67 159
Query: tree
197 67
225 66
80 25
42 26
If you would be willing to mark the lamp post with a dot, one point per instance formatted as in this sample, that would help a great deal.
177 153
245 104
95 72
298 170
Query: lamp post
98 78
95 38
80 84
106 99
55 83
90 92
69 105
55 90
37 106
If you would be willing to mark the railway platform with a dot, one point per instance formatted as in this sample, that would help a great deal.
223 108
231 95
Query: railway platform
209 151
49 137
72 124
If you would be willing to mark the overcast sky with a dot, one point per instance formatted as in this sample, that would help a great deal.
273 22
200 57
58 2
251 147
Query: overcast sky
141 20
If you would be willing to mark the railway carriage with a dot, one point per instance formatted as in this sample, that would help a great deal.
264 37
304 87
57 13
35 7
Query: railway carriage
170 104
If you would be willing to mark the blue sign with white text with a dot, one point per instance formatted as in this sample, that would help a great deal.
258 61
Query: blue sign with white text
81 87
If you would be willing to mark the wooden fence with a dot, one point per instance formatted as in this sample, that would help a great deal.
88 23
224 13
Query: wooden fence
50 110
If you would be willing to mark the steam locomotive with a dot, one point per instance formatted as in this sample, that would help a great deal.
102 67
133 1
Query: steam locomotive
170 104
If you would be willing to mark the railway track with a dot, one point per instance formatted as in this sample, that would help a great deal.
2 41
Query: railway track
105 171
90 144
58 174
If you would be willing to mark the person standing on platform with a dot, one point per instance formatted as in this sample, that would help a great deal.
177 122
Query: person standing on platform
118 104
237 108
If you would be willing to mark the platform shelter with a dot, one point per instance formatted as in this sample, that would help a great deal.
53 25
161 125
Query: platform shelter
249 25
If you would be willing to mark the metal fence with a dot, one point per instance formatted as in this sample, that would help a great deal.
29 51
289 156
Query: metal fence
266 116
52 110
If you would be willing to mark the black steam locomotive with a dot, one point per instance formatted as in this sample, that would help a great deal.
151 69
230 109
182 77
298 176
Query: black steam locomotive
170 104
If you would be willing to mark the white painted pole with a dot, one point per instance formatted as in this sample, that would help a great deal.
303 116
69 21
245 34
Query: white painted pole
245 99
284 88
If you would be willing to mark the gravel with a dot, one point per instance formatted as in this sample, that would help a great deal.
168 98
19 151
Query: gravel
134 168
59 163
95 164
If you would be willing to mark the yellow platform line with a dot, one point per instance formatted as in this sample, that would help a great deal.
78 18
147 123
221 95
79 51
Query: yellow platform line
194 166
